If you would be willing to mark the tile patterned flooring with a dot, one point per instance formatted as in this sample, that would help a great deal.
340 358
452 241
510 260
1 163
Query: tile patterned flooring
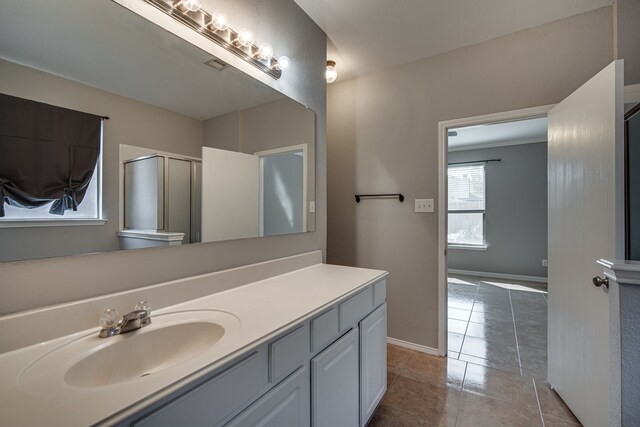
495 374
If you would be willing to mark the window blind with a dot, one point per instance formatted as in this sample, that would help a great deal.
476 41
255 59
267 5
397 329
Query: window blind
47 154
466 187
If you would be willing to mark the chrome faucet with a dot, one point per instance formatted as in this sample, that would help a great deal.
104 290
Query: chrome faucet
112 324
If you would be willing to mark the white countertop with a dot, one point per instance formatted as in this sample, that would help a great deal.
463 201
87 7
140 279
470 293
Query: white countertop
262 308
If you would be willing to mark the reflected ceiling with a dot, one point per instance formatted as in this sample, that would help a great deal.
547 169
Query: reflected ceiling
93 42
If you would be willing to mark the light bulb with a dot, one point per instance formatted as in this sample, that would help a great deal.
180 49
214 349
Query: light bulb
190 5
331 74
219 21
245 37
265 51
283 63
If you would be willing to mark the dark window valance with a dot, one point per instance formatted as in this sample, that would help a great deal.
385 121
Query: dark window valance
47 153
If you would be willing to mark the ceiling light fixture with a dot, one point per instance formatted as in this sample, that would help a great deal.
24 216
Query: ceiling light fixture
331 74
216 28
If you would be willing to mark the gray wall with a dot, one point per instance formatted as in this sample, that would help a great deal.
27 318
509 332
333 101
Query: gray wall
516 211
31 284
383 137
132 122
626 38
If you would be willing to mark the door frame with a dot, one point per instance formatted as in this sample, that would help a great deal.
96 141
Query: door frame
443 128
274 152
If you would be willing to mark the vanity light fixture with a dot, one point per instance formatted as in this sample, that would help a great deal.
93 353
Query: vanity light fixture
219 21
283 63
331 74
216 28
189 5
265 51
244 38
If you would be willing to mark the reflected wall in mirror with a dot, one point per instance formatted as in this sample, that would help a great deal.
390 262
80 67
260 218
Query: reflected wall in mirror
232 158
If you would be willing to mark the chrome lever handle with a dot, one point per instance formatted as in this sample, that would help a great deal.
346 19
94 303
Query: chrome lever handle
599 281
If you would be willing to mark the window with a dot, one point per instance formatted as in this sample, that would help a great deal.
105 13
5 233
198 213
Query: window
50 164
466 205
88 209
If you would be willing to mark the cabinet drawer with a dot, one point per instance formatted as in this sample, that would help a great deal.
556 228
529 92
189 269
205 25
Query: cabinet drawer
355 308
324 329
218 398
287 405
379 292
288 352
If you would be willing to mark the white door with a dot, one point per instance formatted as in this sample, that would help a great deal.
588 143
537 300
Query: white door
585 224
230 195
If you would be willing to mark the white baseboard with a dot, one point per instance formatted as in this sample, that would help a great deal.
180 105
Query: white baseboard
412 346
499 275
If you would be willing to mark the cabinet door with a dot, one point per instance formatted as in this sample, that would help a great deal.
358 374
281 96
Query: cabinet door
287 405
334 384
373 362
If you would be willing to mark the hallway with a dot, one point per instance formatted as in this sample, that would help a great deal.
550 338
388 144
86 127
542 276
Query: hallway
495 374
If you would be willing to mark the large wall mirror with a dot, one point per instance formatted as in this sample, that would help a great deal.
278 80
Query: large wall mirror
193 150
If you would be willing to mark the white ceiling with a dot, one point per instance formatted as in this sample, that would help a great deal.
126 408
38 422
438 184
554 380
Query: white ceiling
499 134
368 35
104 45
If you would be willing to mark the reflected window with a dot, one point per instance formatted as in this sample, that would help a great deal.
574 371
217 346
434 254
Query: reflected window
87 209
49 161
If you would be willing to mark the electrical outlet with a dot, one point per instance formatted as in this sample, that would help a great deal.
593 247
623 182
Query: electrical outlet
545 263
312 207
423 205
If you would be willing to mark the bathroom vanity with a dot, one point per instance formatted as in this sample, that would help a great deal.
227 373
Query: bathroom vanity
307 347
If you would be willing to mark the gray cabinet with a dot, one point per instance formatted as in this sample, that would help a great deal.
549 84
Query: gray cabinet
287 405
329 370
216 399
334 384
373 362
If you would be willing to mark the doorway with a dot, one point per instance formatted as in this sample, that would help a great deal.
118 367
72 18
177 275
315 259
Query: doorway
489 206
283 190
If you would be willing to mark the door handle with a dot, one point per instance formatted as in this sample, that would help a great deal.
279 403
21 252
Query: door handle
599 281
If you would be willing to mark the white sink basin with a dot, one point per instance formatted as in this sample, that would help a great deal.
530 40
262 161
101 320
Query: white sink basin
90 361
142 353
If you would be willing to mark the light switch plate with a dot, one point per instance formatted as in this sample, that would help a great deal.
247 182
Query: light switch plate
312 207
423 205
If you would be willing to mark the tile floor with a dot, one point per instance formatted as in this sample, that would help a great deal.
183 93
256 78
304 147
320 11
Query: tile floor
495 374
499 324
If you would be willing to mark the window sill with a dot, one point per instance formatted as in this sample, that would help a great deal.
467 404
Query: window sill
468 247
28 223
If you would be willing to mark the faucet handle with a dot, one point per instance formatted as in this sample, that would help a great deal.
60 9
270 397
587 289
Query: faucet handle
109 318
143 305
